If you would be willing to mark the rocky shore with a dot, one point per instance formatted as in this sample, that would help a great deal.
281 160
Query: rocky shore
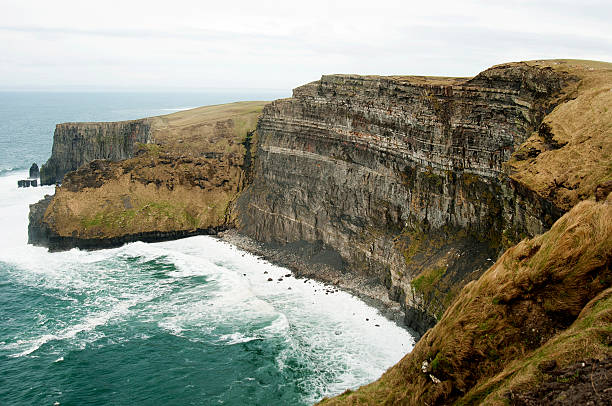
437 200
318 263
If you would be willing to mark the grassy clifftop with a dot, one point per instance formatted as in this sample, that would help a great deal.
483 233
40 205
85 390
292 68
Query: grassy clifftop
571 154
544 305
526 330
181 182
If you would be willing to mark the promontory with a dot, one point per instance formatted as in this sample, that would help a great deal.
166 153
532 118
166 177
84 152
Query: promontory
478 206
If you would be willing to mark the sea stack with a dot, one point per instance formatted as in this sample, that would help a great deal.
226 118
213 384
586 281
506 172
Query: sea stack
34 171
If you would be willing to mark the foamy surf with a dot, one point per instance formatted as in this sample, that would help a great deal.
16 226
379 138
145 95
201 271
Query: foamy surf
197 296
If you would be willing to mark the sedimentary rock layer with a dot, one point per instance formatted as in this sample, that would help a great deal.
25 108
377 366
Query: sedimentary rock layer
404 176
197 131
75 144
542 308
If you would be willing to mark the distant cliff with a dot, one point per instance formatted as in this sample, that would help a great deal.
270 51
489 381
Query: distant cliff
75 144
405 177
407 187
161 178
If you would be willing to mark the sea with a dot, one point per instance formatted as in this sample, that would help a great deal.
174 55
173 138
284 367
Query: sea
187 322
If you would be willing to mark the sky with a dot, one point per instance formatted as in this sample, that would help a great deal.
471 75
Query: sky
278 45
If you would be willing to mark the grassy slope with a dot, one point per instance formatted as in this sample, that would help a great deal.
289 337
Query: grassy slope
546 298
218 128
572 154
171 185
490 341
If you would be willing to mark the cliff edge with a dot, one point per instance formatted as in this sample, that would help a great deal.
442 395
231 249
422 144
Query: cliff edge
419 183
177 183
534 329
411 185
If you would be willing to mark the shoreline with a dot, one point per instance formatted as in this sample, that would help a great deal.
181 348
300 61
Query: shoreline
327 268
368 291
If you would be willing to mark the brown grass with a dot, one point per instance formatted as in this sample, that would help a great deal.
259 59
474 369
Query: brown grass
571 155
174 184
219 128
516 315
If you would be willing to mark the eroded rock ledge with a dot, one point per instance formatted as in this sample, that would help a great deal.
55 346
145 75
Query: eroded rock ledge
178 183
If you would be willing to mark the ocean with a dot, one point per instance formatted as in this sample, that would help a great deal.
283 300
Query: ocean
187 322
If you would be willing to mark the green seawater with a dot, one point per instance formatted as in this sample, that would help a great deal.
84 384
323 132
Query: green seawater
192 321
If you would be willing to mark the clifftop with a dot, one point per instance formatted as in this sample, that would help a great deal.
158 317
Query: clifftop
409 186
569 156
176 180
190 133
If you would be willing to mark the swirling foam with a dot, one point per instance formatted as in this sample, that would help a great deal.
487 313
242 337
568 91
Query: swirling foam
198 288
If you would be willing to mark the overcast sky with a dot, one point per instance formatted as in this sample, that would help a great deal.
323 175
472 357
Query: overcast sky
184 44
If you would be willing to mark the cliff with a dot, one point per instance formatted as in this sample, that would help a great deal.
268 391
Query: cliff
401 189
418 183
75 144
179 183
534 329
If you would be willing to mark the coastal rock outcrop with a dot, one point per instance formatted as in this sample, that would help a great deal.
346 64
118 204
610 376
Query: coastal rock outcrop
178 184
410 188
75 144
34 171
405 178
413 185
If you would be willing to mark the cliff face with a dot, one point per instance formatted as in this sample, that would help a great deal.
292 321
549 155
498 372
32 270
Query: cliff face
525 333
178 184
415 184
404 176
75 144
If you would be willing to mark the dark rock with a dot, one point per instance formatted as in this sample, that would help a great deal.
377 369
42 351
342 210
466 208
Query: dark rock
34 172
38 231
27 183
76 144
403 174
587 382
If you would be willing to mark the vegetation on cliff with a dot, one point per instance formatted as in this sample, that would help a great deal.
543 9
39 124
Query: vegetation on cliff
415 184
544 305
570 155
182 181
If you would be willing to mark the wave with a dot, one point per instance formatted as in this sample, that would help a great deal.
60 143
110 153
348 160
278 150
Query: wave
197 288
11 170
88 324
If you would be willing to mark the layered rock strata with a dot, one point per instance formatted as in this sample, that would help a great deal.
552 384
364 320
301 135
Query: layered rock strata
513 336
75 144
409 184
404 177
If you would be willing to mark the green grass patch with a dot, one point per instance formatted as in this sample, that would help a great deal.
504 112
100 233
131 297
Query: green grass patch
426 282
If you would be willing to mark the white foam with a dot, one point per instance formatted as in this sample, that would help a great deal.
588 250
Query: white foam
211 289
